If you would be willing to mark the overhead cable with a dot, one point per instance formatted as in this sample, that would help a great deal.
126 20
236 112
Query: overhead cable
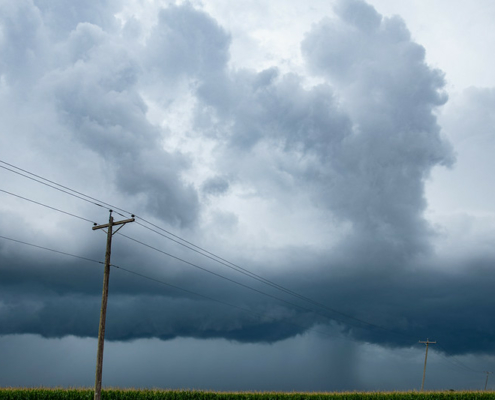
47 206
52 250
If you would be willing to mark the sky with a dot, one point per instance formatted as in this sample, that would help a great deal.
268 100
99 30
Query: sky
312 185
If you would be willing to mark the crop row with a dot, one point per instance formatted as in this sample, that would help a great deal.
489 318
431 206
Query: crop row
111 394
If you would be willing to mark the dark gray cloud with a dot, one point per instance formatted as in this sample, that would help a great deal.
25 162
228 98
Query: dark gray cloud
215 186
357 148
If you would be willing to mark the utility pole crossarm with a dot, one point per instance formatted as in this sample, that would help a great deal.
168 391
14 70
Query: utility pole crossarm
427 342
123 222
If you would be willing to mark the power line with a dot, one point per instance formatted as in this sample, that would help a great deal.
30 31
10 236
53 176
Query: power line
457 362
55 183
79 195
47 206
46 184
52 250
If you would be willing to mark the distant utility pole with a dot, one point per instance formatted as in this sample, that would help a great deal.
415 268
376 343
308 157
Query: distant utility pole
426 357
487 373
104 299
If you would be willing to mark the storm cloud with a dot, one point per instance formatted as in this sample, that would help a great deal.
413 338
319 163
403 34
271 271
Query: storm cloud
315 181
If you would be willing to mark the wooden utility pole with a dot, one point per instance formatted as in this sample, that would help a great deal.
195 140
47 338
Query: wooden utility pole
104 299
426 357
487 373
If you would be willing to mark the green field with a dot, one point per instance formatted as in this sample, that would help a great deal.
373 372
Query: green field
87 394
